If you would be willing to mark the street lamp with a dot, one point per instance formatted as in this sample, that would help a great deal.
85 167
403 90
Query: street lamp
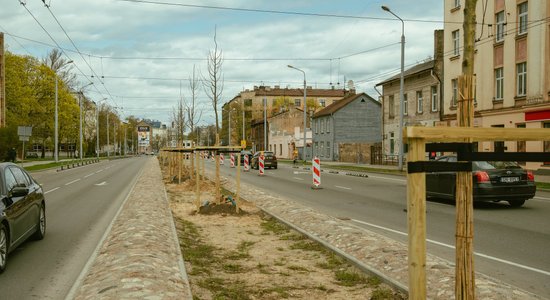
56 134
305 108
401 96
80 98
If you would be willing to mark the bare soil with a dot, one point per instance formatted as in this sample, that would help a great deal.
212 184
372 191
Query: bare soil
249 255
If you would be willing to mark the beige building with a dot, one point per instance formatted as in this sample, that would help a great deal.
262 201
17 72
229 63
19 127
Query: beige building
512 68
277 100
422 99
285 134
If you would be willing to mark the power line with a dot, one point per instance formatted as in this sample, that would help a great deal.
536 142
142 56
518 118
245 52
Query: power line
277 11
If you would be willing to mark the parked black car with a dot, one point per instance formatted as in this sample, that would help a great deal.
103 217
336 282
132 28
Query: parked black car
270 160
492 181
22 209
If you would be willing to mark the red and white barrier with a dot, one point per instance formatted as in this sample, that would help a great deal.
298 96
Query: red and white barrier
246 165
261 164
232 159
212 156
221 158
316 170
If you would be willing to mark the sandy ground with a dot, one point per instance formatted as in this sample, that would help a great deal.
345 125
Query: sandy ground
251 256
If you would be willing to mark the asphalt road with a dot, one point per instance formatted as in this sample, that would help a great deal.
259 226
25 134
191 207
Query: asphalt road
511 244
80 205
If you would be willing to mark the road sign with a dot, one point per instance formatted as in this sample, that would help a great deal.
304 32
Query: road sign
243 144
24 130
23 138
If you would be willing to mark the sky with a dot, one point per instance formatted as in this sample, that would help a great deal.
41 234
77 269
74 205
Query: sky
140 54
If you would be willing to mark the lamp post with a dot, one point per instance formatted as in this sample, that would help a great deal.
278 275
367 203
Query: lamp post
401 96
56 125
80 98
305 109
265 124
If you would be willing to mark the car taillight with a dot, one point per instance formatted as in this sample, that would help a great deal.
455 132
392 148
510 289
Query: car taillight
482 176
530 176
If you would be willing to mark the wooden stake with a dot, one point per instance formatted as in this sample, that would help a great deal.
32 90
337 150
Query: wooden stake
198 191
416 218
237 200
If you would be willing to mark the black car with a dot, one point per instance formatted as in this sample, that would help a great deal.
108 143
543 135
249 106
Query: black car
270 160
22 209
243 153
492 181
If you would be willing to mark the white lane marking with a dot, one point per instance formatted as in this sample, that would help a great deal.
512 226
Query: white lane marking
388 178
102 183
99 171
541 198
298 172
342 187
297 178
72 181
51 190
89 175
453 247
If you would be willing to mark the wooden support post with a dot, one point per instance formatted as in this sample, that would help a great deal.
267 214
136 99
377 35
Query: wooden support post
237 200
218 188
198 191
203 159
464 270
416 216
180 161
192 162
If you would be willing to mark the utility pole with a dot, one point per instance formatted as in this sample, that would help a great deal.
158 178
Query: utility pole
2 83
464 273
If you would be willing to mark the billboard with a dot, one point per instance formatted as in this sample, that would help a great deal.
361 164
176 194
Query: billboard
144 136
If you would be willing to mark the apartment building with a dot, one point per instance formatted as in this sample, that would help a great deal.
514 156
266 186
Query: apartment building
512 68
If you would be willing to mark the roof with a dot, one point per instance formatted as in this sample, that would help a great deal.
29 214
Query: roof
269 91
413 70
334 107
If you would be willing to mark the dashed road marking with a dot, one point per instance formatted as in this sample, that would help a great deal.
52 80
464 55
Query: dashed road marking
71 182
99 171
298 178
89 175
342 187
51 190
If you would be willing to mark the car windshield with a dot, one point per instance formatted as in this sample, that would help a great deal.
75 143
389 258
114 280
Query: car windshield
491 165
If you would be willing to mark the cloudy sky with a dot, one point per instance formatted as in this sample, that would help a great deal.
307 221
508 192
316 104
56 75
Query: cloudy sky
144 51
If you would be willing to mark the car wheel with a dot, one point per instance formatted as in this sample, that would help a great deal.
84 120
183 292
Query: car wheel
275 167
516 203
41 226
3 247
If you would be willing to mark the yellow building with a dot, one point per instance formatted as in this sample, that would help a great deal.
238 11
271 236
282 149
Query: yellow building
512 68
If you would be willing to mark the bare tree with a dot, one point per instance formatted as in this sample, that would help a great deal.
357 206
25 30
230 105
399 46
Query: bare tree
178 120
213 84
59 65
193 115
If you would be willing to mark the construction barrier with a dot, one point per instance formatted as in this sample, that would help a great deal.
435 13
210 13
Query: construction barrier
316 170
246 164
232 160
221 158
213 159
261 164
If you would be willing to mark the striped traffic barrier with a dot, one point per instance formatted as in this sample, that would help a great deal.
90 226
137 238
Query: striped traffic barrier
316 171
221 158
246 164
232 160
261 165
213 159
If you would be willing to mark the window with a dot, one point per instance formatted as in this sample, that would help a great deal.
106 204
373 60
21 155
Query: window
316 147
297 102
247 102
328 125
391 107
522 16
457 3
10 180
322 125
321 151
500 26
456 42
322 102
405 105
392 143
328 149
499 84
280 149
521 79
454 85
435 99
419 102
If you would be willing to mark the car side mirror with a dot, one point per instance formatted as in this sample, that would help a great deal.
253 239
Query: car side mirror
19 191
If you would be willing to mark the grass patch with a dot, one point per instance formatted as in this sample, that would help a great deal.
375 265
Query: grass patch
293 237
281 291
233 268
383 294
200 255
274 227
245 246
333 262
307 246
349 278
298 269
225 289
543 185
237 255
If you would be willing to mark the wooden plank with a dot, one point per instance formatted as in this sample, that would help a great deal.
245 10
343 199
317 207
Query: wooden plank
238 197
416 219
476 134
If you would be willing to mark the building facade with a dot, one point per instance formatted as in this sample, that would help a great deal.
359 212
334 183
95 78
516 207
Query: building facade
512 68
285 134
356 119
421 99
